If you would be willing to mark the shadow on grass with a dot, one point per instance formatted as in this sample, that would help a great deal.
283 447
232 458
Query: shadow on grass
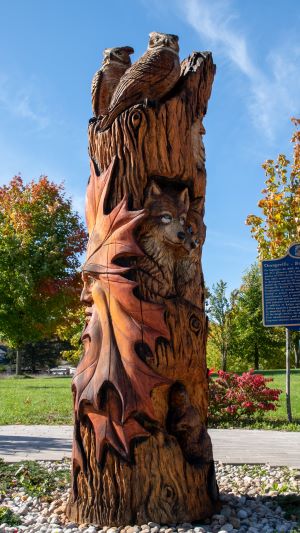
50 386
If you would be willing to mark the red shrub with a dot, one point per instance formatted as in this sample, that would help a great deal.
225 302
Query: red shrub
232 396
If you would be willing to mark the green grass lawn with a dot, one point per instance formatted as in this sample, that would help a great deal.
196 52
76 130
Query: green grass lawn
279 383
35 401
48 400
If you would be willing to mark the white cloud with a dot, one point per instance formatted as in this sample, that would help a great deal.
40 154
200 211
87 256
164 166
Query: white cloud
213 20
222 240
22 102
272 96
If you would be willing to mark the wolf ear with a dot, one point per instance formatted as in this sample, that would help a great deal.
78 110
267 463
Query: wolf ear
197 204
154 190
185 198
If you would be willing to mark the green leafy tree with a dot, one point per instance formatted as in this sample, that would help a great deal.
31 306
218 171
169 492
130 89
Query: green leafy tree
41 239
70 331
255 345
41 354
221 328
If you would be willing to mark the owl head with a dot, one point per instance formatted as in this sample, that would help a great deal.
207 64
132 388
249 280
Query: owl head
120 54
163 40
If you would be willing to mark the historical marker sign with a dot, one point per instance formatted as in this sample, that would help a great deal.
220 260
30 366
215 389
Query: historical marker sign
281 289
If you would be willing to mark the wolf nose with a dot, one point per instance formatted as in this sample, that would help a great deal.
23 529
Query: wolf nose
181 235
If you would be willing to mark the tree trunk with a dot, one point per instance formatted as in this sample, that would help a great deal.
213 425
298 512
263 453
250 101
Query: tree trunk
256 357
141 450
18 362
224 360
288 374
296 344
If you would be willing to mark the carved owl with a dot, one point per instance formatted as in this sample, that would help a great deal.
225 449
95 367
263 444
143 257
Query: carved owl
150 77
115 62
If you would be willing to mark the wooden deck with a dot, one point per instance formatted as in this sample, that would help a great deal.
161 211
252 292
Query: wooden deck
232 446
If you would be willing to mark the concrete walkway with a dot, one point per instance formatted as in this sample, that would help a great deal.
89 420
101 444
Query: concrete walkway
232 446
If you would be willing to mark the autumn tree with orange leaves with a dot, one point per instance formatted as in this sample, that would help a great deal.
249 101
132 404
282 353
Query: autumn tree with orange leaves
279 224
41 239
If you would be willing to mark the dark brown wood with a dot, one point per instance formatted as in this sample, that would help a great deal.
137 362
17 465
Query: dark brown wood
141 450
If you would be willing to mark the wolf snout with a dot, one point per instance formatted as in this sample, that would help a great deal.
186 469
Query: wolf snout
181 235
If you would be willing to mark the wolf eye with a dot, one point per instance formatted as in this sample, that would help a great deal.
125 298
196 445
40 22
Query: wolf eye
166 218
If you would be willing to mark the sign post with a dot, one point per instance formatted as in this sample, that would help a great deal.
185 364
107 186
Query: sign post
281 301
288 374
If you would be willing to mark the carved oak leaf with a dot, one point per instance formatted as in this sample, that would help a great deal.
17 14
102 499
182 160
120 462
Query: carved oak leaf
112 384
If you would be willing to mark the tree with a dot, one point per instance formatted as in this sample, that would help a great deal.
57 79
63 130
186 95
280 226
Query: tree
70 331
41 354
40 242
255 343
221 328
279 225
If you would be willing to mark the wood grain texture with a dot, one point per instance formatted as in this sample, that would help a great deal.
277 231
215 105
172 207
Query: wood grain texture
156 162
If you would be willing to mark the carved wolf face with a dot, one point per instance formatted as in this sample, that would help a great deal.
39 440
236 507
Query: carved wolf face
167 216
163 40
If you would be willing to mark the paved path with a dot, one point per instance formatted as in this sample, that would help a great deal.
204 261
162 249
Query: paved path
233 446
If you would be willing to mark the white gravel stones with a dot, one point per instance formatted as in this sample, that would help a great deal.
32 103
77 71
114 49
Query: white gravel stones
248 496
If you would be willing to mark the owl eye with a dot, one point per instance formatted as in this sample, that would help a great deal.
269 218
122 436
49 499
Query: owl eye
190 230
166 218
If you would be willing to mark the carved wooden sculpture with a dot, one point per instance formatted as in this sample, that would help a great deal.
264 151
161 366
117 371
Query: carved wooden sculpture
141 450
115 63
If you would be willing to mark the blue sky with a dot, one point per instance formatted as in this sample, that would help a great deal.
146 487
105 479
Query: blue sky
51 49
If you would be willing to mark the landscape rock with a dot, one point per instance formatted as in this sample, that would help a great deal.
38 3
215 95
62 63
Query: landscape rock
241 512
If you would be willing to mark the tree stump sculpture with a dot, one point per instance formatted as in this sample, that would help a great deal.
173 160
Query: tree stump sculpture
141 450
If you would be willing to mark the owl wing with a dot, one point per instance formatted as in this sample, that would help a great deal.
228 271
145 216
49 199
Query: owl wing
144 74
95 90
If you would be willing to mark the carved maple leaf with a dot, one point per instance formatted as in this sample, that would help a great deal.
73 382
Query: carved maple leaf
112 384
